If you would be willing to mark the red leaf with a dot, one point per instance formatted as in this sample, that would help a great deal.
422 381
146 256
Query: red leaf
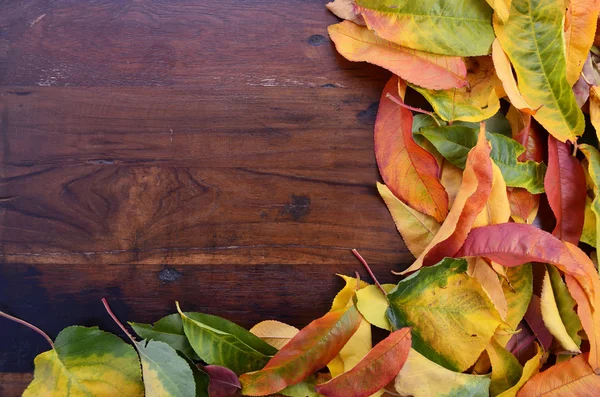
223 381
310 350
512 244
408 170
379 367
565 188
534 319
522 344
523 205
573 378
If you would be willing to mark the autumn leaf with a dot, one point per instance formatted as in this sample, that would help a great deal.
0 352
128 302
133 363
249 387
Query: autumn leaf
444 300
481 271
532 37
275 333
168 329
552 319
589 232
593 158
579 36
565 183
421 377
530 368
451 179
518 289
379 367
506 76
165 373
448 27
506 370
497 208
345 9
570 378
223 381
373 305
343 298
310 350
220 342
471 199
357 43
534 320
501 8
595 108
566 305
475 102
408 170
87 361
417 229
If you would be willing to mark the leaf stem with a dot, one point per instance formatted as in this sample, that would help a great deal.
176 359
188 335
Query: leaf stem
404 105
116 320
366 265
28 325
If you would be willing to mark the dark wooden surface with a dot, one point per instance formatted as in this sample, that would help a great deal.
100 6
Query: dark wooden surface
217 152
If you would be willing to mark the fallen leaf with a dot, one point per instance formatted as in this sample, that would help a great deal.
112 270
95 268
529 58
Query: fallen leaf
451 179
570 378
444 300
408 170
476 102
168 329
532 37
524 206
359 44
373 305
593 158
345 9
417 229
480 270
421 377
275 333
506 76
473 194
379 367
310 350
506 370
595 109
566 305
518 289
531 368
497 207
86 361
565 183
449 27
579 36
343 299
223 381
552 318
589 233
501 8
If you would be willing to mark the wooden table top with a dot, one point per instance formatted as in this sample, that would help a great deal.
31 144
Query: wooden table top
218 153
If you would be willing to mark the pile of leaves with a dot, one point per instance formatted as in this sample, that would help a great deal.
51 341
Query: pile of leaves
500 301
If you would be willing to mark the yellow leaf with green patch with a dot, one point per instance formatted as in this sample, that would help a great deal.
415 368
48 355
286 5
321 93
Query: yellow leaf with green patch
565 304
506 370
505 74
373 305
421 377
588 235
417 229
579 35
518 289
476 102
532 37
443 300
531 368
593 157
87 362
501 8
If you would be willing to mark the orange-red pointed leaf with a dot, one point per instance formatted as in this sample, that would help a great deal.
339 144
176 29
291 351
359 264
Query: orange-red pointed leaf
409 171
567 379
472 197
310 350
565 188
378 368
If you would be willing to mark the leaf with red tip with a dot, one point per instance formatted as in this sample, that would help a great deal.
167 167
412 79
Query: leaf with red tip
512 244
223 381
378 368
472 197
567 379
310 350
409 171
564 183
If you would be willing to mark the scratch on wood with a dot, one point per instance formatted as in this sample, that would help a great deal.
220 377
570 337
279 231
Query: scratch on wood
37 20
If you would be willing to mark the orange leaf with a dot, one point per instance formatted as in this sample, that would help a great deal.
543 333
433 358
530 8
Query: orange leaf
409 171
471 199
512 244
579 35
378 368
432 71
573 378
310 350
523 205
565 188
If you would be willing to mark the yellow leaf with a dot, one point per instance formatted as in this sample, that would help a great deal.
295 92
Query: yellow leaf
552 319
373 305
480 270
344 297
595 109
588 234
506 370
275 333
579 35
531 368
451 179
506 76
518 288
345 9
417 229
501 8
497 208
421 377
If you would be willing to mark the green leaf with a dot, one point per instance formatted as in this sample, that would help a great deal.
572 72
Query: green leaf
588 234
449 27
593 157
443 300
518 289
201 378
533 39
454 143
506 370
566 305
168 329
166 374
220 342
305 388
87 362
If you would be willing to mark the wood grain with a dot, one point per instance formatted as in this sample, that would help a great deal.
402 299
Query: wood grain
218 153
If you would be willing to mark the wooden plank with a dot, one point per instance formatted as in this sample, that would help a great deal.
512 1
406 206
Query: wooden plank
13 384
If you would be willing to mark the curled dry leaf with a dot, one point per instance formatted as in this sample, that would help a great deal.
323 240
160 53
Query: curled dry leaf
275 333
345 9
